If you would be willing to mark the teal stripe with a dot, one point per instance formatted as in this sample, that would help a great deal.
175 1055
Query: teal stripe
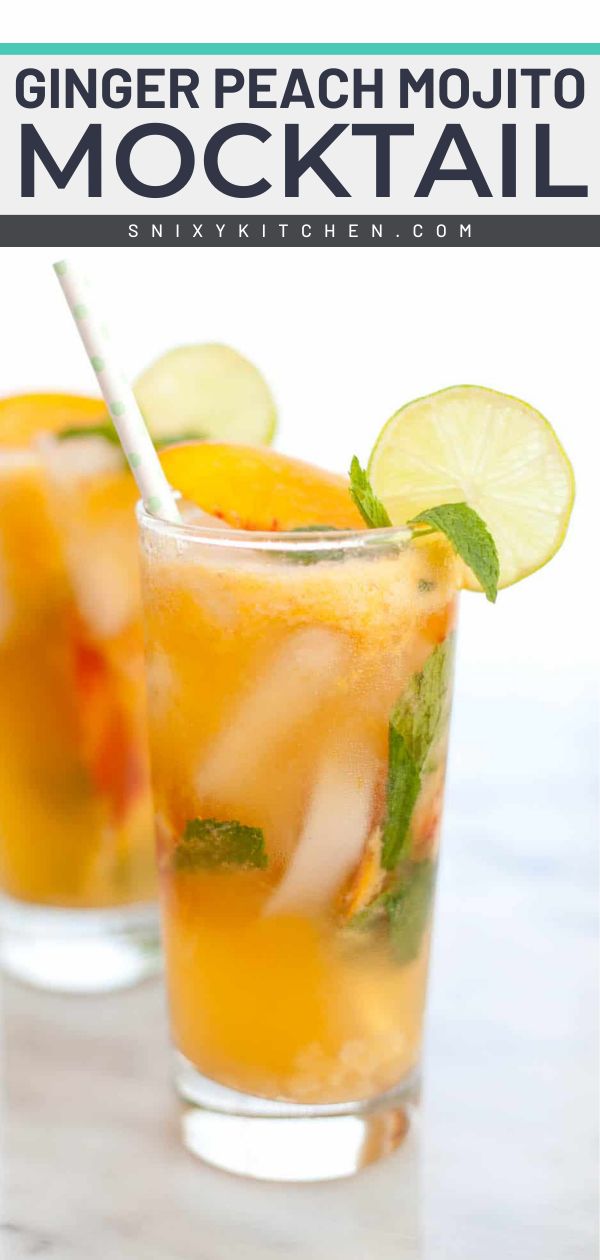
306 49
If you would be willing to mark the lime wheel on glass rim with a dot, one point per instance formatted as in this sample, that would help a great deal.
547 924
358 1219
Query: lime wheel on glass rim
469 444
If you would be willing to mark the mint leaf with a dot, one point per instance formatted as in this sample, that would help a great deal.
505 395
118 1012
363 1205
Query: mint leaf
106 431
208 843
361 492
461 524
185 436
470 538
403 786
418 713
413 727
409 911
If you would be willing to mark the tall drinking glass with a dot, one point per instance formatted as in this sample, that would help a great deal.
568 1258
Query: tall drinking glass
76 837
299 695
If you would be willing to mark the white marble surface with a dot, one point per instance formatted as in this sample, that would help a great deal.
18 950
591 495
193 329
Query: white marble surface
503 1164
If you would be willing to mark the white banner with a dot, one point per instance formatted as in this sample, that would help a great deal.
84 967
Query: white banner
300 133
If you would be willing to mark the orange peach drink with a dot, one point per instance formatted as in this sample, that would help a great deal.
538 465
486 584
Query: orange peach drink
297 864
75 815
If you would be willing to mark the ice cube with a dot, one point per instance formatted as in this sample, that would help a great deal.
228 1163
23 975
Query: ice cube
78 457
100 553
334 833
306 668
104 579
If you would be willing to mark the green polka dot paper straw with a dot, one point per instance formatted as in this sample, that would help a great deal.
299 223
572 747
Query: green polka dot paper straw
119 397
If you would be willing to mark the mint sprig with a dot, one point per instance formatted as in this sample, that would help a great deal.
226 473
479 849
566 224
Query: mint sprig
413 728
418 714
208 843
370 507
403 787
471 539
461 524
106 431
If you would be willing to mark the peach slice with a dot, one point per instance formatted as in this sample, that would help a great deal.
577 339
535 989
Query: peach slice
257 488
111 745
367 881
25 416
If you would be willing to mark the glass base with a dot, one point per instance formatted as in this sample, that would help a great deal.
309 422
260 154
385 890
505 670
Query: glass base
282 1141
79 951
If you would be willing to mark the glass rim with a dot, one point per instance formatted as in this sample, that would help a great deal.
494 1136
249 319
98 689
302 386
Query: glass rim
310 539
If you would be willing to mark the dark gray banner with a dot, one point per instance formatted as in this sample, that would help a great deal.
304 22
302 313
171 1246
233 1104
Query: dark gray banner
297 230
